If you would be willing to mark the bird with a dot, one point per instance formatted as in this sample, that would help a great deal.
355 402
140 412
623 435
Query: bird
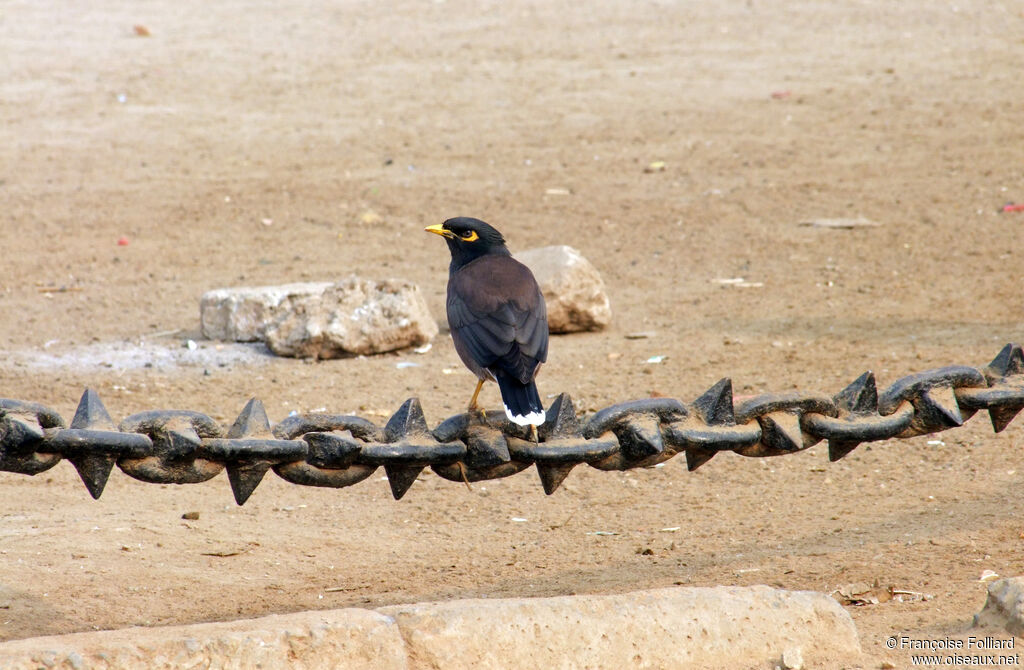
497 317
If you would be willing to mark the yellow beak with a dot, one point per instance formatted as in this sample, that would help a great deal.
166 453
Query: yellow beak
438 229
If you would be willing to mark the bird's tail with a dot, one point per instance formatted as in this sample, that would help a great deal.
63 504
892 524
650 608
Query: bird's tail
522 402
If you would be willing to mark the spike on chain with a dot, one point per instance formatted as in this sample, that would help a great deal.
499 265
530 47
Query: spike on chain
552 476
93 468
860 398
401 478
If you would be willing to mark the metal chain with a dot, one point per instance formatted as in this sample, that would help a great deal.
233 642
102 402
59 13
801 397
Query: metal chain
184 447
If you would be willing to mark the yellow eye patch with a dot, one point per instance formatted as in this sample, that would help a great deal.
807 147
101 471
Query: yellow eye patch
469 236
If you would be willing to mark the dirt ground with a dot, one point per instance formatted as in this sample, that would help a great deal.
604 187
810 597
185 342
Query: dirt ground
249 143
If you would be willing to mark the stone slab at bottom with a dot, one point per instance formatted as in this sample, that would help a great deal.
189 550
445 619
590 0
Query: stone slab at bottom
348 639
720 627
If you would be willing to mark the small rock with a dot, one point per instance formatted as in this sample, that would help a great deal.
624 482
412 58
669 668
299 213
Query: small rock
1005 606
353 317
572 288
190 516
793 659
370 217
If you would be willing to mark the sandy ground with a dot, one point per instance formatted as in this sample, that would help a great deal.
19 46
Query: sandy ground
245 143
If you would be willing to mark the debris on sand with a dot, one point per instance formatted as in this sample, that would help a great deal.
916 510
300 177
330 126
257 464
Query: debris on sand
847 224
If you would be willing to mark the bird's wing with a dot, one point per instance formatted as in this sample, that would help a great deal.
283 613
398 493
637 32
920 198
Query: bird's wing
497 314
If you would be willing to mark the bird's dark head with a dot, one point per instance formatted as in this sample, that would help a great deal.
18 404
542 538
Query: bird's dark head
469 238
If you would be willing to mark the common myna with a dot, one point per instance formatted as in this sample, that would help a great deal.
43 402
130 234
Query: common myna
497 316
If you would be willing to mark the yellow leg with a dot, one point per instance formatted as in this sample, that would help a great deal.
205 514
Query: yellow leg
533 434
472 401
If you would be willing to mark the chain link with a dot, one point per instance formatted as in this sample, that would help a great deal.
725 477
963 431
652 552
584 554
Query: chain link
184 447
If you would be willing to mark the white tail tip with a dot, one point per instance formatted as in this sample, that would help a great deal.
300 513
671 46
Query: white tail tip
531 419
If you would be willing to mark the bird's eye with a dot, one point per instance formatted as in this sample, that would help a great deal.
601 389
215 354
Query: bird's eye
469 235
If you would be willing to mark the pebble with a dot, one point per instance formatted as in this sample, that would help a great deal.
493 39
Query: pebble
793 659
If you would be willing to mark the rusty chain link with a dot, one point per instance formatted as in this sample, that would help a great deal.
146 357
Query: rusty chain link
184 447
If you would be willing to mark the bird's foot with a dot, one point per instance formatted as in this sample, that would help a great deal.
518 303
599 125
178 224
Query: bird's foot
476 413
534 437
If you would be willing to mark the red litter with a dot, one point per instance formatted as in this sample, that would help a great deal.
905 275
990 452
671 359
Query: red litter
1011 207
122 241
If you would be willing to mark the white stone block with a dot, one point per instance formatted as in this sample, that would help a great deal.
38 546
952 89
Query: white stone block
321 320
